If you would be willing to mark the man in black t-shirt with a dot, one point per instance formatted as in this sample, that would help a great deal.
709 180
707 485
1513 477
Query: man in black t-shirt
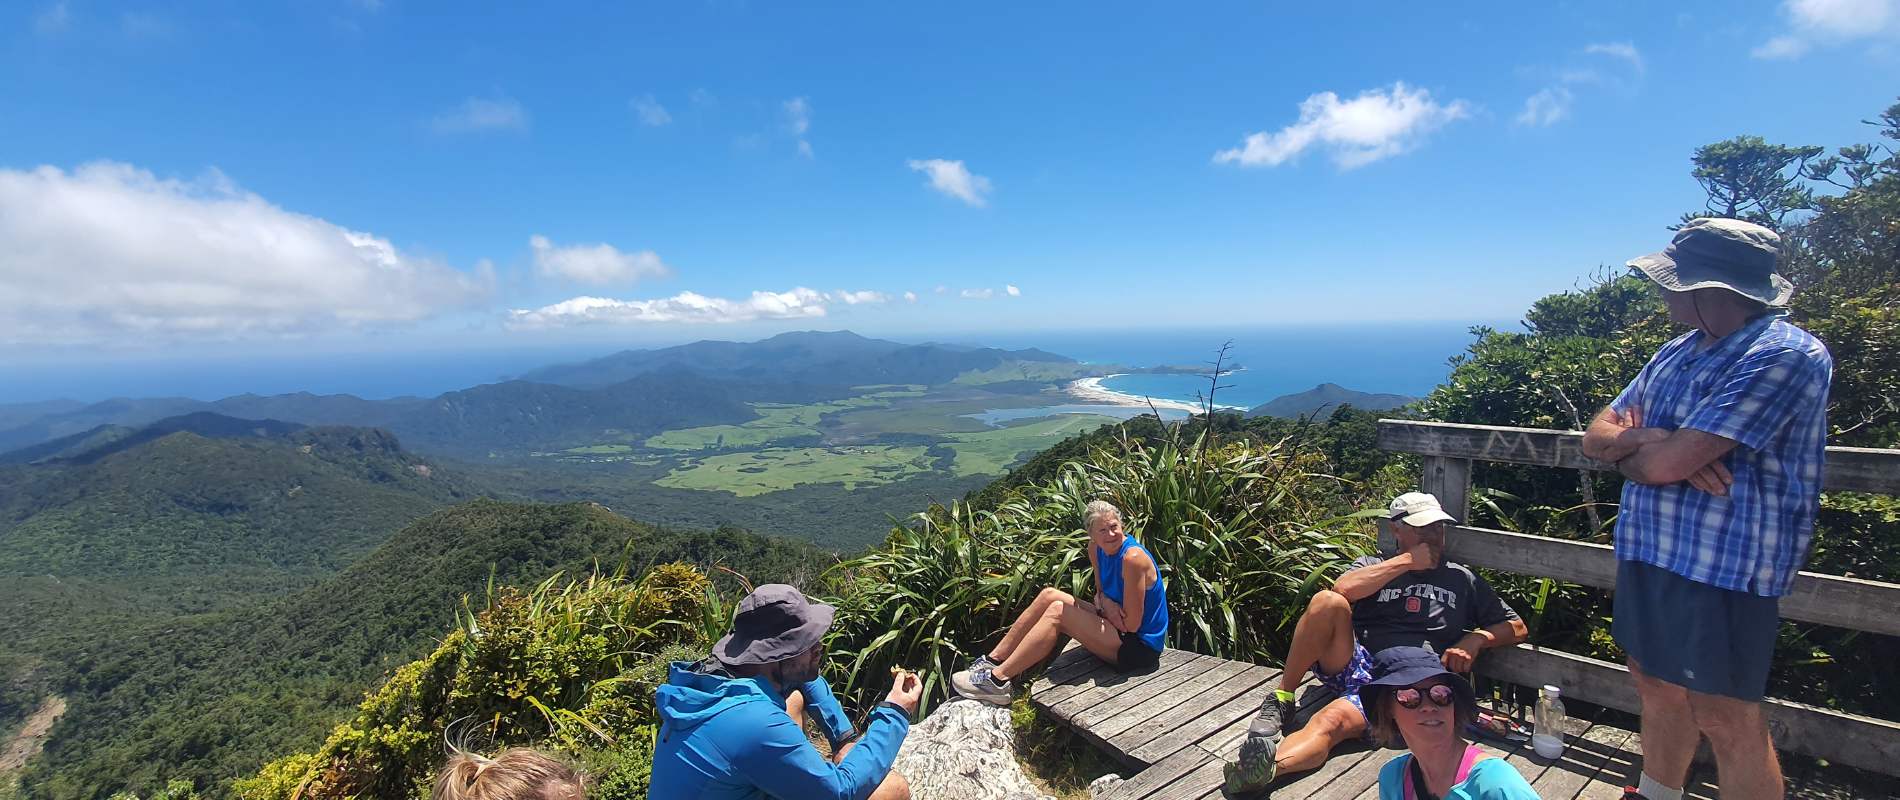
1414 599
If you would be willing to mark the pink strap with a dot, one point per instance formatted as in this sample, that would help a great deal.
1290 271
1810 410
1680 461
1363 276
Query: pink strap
1472 754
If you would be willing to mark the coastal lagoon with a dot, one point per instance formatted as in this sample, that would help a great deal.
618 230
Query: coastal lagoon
996 418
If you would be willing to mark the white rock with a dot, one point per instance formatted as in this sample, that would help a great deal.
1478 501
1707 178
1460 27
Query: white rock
1101 787
964 750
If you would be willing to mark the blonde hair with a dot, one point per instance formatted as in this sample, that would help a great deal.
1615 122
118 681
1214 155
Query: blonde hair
516 774
1096 509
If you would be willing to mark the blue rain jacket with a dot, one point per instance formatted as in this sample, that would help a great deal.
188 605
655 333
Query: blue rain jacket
726 738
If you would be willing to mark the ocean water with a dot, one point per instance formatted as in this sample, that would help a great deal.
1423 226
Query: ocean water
1408 359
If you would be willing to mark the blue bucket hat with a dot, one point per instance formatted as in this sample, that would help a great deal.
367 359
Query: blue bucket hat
1398 667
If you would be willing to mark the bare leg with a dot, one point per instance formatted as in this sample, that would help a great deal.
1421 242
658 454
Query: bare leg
1669 729
1323 636
1339 722
1026 620
1744 753
893 787
1061 616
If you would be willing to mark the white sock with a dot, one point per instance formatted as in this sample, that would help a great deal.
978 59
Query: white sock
1654 790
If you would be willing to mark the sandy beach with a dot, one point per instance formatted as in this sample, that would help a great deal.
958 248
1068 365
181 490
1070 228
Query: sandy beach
1091 390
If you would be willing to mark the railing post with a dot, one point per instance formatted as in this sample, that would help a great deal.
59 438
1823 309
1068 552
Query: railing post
1448 479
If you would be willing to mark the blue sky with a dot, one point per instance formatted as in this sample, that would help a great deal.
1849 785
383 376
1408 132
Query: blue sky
318 175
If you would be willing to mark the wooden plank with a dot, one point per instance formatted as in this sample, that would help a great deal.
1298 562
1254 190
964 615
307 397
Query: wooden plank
1846 469
1107 687
1582 762
1851 603
1128 700
1361 777
1165 723
1199 727
1065 665
1195 784
1857 741
1072 686
1449 480
1307 784
1162 774
1175 697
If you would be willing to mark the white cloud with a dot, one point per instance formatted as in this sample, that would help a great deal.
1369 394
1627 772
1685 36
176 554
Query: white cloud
1012 290
941 289
1625 51
1546 107
594 264
55 19
652 114
798 120
1829 22
954 179
685 307
850 298
977 294
109 253
910 297
1377 124
482 114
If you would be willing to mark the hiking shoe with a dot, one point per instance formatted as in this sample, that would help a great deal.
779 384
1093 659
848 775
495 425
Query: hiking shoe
980 684
1272 722
1255 768
983 662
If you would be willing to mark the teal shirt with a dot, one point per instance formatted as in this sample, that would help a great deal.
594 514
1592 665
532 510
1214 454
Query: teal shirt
1154 604
1490 779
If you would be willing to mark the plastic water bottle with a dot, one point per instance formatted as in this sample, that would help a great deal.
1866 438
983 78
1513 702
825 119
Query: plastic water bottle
1547 738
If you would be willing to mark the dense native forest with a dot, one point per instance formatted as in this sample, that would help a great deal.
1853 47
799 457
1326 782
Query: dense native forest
277 611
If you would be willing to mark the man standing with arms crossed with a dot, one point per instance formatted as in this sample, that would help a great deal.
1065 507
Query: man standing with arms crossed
1721 437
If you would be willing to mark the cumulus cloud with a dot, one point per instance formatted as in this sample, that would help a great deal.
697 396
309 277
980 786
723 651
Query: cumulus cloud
1815 22
594 264
954 179
482 114
1624 51
910 297
977 294
798 121
1379 123
685 307
1012 290
651 113
109 252
1546 107
850 298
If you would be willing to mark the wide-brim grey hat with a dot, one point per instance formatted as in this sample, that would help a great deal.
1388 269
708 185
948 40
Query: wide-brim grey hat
774 623
1720 253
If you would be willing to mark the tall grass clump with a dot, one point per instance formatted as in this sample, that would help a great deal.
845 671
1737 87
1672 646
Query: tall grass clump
569 665
1245 532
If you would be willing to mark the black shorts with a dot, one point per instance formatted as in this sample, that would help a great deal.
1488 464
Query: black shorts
1135 655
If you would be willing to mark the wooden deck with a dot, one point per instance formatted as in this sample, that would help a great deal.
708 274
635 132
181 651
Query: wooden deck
1179 723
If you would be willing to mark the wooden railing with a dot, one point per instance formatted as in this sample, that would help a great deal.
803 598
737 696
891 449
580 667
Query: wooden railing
1448 451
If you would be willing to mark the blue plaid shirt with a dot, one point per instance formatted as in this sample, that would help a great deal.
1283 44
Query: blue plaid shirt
1764 387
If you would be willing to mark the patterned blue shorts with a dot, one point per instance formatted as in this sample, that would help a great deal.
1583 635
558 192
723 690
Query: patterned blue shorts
1347 681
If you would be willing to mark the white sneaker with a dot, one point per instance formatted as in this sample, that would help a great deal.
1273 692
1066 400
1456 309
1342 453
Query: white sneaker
980 684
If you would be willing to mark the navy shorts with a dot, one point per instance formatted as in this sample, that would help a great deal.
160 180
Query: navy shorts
1700 637
1135 655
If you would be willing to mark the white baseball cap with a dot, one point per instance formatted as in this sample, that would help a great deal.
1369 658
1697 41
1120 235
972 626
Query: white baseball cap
1418 509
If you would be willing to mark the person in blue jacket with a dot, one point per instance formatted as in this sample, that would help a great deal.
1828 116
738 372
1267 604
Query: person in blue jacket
1124 626
725 732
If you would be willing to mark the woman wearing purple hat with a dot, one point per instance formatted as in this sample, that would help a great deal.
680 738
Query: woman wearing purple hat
1427 706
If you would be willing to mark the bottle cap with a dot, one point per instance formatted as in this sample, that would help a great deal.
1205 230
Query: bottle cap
1552 690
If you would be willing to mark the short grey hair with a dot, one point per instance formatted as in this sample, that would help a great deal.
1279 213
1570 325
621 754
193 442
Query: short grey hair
1097 509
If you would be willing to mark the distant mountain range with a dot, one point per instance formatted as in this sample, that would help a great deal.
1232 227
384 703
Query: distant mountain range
624 397
1327 396
837 357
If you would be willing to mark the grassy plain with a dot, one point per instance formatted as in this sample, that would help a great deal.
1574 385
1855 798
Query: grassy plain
777 422
994 451
777 469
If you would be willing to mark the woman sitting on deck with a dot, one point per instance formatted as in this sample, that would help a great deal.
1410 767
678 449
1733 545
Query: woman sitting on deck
1429 707
1123 626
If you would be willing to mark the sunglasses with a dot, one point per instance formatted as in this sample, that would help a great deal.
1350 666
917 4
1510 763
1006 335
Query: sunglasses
1411 697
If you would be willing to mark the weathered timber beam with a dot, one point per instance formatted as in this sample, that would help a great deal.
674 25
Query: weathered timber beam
1851 603
1848 469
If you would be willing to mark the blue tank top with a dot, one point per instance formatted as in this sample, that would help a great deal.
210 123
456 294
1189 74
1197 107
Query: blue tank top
1154 604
